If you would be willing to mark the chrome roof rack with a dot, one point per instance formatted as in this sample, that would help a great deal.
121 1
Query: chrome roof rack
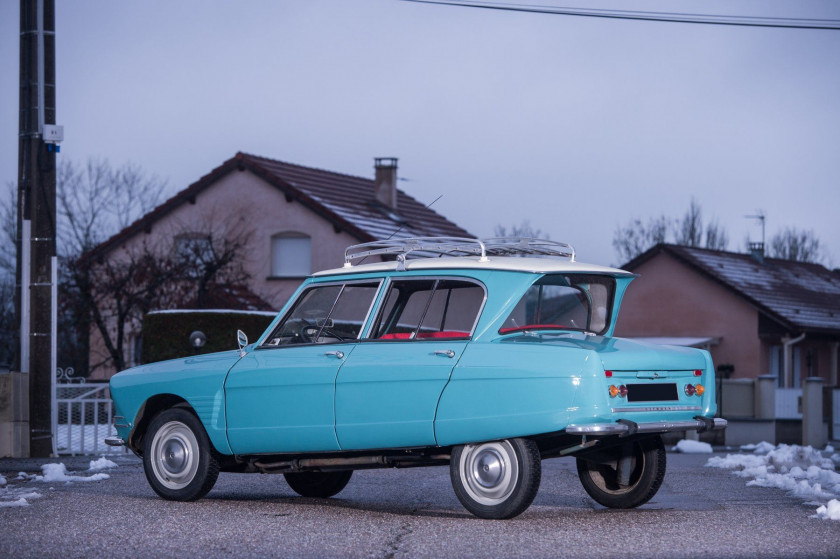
432 247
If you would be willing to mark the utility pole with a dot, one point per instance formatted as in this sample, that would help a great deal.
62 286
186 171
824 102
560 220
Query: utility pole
36 225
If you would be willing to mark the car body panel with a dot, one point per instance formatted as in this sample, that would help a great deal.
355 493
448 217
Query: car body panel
197 380
281 399
387 392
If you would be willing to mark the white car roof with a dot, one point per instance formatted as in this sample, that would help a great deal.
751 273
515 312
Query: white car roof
508 263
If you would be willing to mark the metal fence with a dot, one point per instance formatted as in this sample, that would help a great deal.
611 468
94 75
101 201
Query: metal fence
83 415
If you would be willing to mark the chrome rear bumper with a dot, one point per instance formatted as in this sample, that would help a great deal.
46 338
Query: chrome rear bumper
625 427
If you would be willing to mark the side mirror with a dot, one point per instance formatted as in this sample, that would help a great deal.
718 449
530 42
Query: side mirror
242 341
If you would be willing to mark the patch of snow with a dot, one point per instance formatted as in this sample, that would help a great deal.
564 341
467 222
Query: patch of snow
687 446
801 471
829 511
101 464
19 503
828 448
2 480
761 448
58 472
836 459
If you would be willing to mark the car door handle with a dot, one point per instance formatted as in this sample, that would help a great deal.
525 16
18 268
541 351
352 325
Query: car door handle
336 354
445 352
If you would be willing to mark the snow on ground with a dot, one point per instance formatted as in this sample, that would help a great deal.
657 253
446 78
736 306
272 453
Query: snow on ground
19 495
101 464
801 471
761 448
687 446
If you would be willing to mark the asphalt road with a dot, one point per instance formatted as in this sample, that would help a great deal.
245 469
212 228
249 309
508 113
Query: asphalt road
699 512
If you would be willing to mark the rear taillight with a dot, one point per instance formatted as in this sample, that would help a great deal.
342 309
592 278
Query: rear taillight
698 373
618 391
690 390
608 374
699 389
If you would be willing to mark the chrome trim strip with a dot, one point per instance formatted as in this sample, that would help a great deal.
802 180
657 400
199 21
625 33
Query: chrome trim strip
114 441
651 427
658 408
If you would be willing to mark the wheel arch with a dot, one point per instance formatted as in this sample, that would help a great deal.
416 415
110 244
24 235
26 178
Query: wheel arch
148 410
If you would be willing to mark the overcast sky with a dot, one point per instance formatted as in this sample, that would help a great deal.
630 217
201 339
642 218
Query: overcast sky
576 124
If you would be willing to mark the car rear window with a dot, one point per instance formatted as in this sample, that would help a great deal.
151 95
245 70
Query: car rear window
564 302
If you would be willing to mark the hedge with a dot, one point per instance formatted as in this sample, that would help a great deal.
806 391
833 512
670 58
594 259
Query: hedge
166 334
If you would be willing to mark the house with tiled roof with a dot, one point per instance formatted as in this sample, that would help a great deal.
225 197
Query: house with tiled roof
298 220
759 317
747 308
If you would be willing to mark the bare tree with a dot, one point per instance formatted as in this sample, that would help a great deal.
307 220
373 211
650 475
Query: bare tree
716 236
524 229
212 258
688 231
109 293
94 201
796 244
8 224
636 237
97 200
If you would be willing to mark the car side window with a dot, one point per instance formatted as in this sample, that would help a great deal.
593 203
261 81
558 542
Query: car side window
429 309
326 314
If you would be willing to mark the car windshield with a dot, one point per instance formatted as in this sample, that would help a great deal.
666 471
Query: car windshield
564 302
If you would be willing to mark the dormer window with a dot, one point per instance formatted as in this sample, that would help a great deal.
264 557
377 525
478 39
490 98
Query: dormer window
291 255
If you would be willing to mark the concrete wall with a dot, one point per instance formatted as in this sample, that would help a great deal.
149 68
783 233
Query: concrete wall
671 299
14 415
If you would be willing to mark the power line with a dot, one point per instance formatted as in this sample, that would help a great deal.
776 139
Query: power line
672 17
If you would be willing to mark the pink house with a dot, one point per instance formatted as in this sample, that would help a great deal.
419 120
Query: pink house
772 327
758 316
298 220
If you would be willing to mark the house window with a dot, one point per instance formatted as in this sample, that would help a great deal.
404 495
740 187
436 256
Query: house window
291 255
194 251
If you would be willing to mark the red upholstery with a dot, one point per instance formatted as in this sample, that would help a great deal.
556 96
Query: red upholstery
444 334
426 335
396 336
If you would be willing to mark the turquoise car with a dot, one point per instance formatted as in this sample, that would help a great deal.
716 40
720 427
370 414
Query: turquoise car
487 356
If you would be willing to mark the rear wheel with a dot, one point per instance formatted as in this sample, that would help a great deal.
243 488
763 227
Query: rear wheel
179 461
318 484
630 477
497 479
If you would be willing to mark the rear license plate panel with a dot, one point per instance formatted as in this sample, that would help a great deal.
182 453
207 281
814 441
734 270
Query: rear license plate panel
652 392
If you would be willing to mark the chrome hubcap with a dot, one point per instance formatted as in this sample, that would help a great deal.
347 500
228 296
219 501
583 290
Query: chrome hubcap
490 471
174 455
488 467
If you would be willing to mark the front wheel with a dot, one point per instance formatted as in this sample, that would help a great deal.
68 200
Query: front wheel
628 477
497 479
318 484
179 461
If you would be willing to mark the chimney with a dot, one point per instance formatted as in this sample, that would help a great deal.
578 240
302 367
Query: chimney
385 181
757 251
